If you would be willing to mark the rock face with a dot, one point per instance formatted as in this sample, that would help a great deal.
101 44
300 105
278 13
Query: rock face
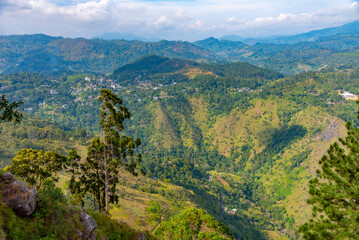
89 224
141 236
17 195
332 131
7 178
22 200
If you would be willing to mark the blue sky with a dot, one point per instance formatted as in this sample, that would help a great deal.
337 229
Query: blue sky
173 20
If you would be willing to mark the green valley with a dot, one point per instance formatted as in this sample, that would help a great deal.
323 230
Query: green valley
230 133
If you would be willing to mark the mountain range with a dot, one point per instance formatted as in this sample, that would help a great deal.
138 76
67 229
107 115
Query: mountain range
299 53
349 28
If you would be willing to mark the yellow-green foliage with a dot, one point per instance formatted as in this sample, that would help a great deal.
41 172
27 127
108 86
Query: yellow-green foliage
168 138
285 179
137 194
113 230
194 72
192 224
35 134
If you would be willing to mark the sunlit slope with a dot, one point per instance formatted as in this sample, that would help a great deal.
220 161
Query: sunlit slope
272 143
38 134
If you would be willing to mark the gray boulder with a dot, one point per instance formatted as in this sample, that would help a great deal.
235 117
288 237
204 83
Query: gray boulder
141 236
17 195
88 223
7 178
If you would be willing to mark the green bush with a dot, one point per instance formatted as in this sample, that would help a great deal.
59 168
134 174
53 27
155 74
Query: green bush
191 224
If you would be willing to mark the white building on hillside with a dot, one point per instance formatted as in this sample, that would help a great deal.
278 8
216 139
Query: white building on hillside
349 96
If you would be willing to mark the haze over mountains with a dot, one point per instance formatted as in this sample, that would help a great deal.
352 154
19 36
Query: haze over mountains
129 37
349 28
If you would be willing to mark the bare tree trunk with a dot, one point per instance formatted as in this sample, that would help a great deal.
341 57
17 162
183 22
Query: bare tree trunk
106 182
105 171
99 201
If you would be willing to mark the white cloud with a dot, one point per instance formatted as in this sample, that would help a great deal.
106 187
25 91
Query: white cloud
186 20
88 11
163 22
235 21
183 15
197 24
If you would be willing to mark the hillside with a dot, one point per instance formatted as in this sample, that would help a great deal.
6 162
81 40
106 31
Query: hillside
262 151
168 70
41 135
236 136
45 54
147 208
151 65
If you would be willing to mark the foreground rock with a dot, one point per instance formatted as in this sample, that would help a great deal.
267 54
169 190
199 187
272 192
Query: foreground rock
17 195
88 223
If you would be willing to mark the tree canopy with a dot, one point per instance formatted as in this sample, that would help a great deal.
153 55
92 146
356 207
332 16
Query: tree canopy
335 192
35 166
98 174
9 110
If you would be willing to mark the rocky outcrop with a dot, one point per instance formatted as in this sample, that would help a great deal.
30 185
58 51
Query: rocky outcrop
141 236
332 131
17 195
88 223
22 200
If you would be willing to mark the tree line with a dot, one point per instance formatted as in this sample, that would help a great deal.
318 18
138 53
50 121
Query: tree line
97 175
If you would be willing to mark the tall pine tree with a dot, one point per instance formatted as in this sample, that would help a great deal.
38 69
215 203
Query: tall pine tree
335 192
109 152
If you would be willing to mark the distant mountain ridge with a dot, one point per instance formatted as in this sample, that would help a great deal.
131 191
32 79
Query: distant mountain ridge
41 53
304 52
349 28
340 49
128 37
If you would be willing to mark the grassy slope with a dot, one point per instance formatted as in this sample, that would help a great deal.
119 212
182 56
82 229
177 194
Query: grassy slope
137 194
32 133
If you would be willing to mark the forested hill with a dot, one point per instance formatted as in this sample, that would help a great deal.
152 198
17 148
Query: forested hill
153 64
167 70
325 51
43 54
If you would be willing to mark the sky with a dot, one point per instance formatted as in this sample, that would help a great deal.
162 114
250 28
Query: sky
187 20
